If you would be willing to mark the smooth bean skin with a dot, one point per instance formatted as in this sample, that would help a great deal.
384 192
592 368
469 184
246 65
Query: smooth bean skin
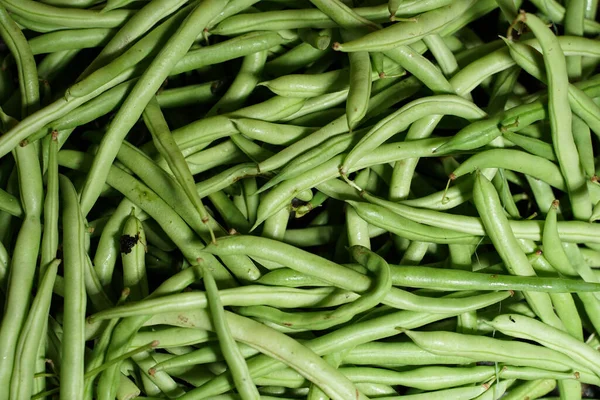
514 160
408 229
496 225
21 386
231 352
243 85
528 328
343 338
403 33
561 117
325 320
69 40
569 231
239 46
150 202
401 119
315 18
485 348
425 378
72 371
66 17
27 245
140 96
288 350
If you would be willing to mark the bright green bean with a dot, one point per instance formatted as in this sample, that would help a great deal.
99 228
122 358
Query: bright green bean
21 386
72 371
141 95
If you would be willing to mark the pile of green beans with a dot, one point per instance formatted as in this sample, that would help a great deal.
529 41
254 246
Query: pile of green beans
299 199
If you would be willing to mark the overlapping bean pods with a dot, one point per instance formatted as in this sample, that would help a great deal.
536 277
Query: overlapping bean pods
299 199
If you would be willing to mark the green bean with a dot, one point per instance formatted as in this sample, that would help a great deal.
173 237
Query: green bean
253 151
403 33
233 357
141 95
397 353
239 46
583 142
320 320
514 160
426 378
501 184
313 18
343 15
220 154
560 116
10 204
556 13
496 224
404 227
220 126
72 371
300 56
66 17
490 349
125 330
318 103
243 84
319 40
187 95
359 89
70 40
21 386
398 92
210 352
463 393
247 295
358 228
166 146
346 337
136 26
574 19
533 389
401 119
314 157
147 200
286 191
28 80
534 146
530 60
162 380
296 85
97 356
36 121
289 351
54 63
555 251
528 328
269 132
233 218
109 244
133 252
20 280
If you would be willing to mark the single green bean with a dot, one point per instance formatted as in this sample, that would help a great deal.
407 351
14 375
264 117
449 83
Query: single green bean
72 371
231 352
27 245
21 386
66 17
